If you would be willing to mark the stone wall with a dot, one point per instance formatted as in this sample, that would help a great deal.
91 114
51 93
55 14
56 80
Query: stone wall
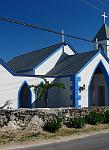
35 118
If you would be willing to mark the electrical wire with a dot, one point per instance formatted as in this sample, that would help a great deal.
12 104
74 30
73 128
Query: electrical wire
99 9
106 1
104 4
47 30
88 3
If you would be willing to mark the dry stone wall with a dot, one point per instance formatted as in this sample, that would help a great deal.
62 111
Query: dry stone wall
35 118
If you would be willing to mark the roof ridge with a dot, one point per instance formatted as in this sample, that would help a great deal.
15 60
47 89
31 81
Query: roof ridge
79 54
37 50
78 63
29 59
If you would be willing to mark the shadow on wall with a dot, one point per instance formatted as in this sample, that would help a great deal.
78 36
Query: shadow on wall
39 103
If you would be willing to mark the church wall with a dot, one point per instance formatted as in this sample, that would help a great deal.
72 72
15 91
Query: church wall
65 94
10 85
68 50
60 97
85 76
47 65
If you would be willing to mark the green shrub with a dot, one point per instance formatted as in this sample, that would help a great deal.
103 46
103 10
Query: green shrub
100 117
106 116
94 118
53 125
76 122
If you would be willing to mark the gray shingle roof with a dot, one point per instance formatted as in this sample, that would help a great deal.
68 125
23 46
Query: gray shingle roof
103 33
29 60
72 64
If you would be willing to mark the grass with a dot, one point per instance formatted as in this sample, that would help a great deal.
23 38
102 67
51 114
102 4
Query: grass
22 136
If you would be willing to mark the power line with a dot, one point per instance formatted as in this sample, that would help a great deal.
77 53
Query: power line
88 3
104 4
99 9
106 1
47 30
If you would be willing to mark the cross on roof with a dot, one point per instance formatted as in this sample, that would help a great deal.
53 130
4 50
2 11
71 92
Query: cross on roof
104 16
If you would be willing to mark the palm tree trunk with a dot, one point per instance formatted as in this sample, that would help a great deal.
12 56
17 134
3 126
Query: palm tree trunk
36 99
46 99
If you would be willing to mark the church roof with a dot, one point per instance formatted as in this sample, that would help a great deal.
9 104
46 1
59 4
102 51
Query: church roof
103 33
30 60
71 64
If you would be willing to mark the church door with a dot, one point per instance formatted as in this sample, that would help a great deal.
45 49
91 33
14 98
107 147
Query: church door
101 95
25 97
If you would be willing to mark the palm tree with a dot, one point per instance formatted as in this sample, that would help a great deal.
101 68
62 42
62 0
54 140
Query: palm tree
43 88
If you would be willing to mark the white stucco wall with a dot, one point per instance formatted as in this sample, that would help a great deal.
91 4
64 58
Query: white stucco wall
86 75
60 97
10 85
46 66
68 50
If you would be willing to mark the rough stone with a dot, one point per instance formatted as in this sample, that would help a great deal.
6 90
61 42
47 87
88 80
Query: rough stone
12 125
12 117
35 118
35 123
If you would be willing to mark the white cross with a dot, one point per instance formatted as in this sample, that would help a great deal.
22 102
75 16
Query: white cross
62 35
104 16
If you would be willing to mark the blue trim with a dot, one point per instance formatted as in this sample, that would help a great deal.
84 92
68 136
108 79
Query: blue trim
48 57
88 63
105 56
105 73
30 95
72 78
7 67
72 90
77 96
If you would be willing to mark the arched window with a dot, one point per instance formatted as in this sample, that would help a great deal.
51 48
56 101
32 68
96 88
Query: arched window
24 96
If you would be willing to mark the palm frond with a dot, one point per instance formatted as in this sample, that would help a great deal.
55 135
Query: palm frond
42 88
58 85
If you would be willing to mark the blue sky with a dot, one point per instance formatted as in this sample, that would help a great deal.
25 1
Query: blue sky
73 16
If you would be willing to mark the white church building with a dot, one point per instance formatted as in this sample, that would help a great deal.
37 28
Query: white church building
85 75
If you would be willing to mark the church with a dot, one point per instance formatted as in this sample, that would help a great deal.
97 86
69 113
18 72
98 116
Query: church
85 75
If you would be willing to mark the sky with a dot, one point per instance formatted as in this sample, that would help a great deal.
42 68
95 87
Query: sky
73 16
